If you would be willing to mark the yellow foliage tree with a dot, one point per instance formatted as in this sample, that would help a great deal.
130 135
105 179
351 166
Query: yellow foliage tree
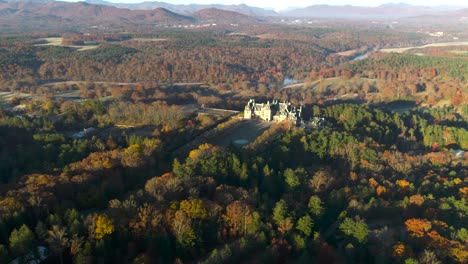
457 181
194 208
48 106
459 253
103 226
8 206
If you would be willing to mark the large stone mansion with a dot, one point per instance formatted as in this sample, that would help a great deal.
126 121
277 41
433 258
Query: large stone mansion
273 111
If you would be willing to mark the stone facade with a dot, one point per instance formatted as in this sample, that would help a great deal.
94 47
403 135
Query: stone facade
273 111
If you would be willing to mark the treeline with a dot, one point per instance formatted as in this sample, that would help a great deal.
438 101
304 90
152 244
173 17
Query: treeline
456 68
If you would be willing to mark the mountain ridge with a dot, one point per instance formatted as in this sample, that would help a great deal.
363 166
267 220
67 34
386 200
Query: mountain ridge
188 9
388 10
39 14
56 14
385 11
215 15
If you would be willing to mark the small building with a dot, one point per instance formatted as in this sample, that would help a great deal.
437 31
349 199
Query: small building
316 123
86 132
36 257
461 154
273 111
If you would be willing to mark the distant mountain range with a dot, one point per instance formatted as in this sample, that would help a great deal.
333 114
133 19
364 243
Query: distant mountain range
37 14
387 11
187 9
51 14
315 11
84 13
214 15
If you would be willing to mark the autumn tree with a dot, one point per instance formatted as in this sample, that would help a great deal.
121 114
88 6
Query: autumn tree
416 199
181 227
76 244
58 241
194 208
240 219
417 227
100 226
146 221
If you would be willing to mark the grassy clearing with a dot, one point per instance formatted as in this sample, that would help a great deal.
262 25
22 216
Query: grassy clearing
444 44
148 39
347 53
7 96
249 130
460 52
267 36
58 42
332 83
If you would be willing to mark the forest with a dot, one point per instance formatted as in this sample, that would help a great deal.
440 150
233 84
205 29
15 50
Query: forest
373 185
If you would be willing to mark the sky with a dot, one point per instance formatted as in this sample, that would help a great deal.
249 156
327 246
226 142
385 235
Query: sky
284 4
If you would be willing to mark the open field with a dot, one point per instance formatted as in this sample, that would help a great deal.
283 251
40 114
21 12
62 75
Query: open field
331 83
460 52
237 34
148 39
444 44
8 95
69 95
249 130
58 42
267 36
347 53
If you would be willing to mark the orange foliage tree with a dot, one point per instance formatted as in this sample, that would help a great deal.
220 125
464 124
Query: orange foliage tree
417 227
381 190
416 199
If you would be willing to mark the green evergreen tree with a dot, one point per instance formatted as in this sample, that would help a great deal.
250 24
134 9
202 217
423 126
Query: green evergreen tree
291 178
315 205
178 169
305 224
22 241
280 212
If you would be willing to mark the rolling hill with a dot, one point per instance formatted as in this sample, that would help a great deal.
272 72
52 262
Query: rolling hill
218 16
187 9
28 16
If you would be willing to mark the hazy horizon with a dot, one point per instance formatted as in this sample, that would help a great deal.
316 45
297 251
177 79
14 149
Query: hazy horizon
279 5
